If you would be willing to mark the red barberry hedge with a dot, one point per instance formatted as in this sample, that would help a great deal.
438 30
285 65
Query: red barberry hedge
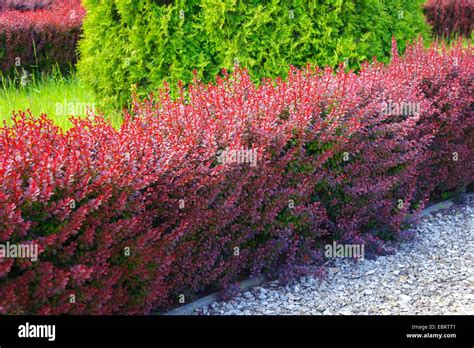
39 34
450 17
24 5
128 220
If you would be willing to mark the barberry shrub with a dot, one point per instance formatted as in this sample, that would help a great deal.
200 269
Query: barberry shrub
137 45
24 5
449 18
229 180
36 35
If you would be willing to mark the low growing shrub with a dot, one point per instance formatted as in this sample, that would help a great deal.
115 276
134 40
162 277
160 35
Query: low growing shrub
39 34
450 17
24 5
228 180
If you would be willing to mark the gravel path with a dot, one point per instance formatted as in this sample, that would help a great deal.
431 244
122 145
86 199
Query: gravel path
431 274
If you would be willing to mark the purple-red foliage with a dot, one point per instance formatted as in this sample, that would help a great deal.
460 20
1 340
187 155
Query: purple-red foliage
449 17
39 33
331 166
24 5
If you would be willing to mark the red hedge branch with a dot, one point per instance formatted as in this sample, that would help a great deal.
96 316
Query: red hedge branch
128 220
40 36
450 17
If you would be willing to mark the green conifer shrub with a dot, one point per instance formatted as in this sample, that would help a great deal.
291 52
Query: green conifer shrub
135 45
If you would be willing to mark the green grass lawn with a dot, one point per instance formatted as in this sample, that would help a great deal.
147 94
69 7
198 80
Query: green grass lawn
57 96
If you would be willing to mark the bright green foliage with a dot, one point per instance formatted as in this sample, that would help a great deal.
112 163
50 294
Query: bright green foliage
53 94
142 43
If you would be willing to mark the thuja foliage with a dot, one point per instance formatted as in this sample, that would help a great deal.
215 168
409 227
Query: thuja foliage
133 219
136 45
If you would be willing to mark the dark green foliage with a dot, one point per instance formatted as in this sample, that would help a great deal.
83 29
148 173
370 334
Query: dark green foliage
139 44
